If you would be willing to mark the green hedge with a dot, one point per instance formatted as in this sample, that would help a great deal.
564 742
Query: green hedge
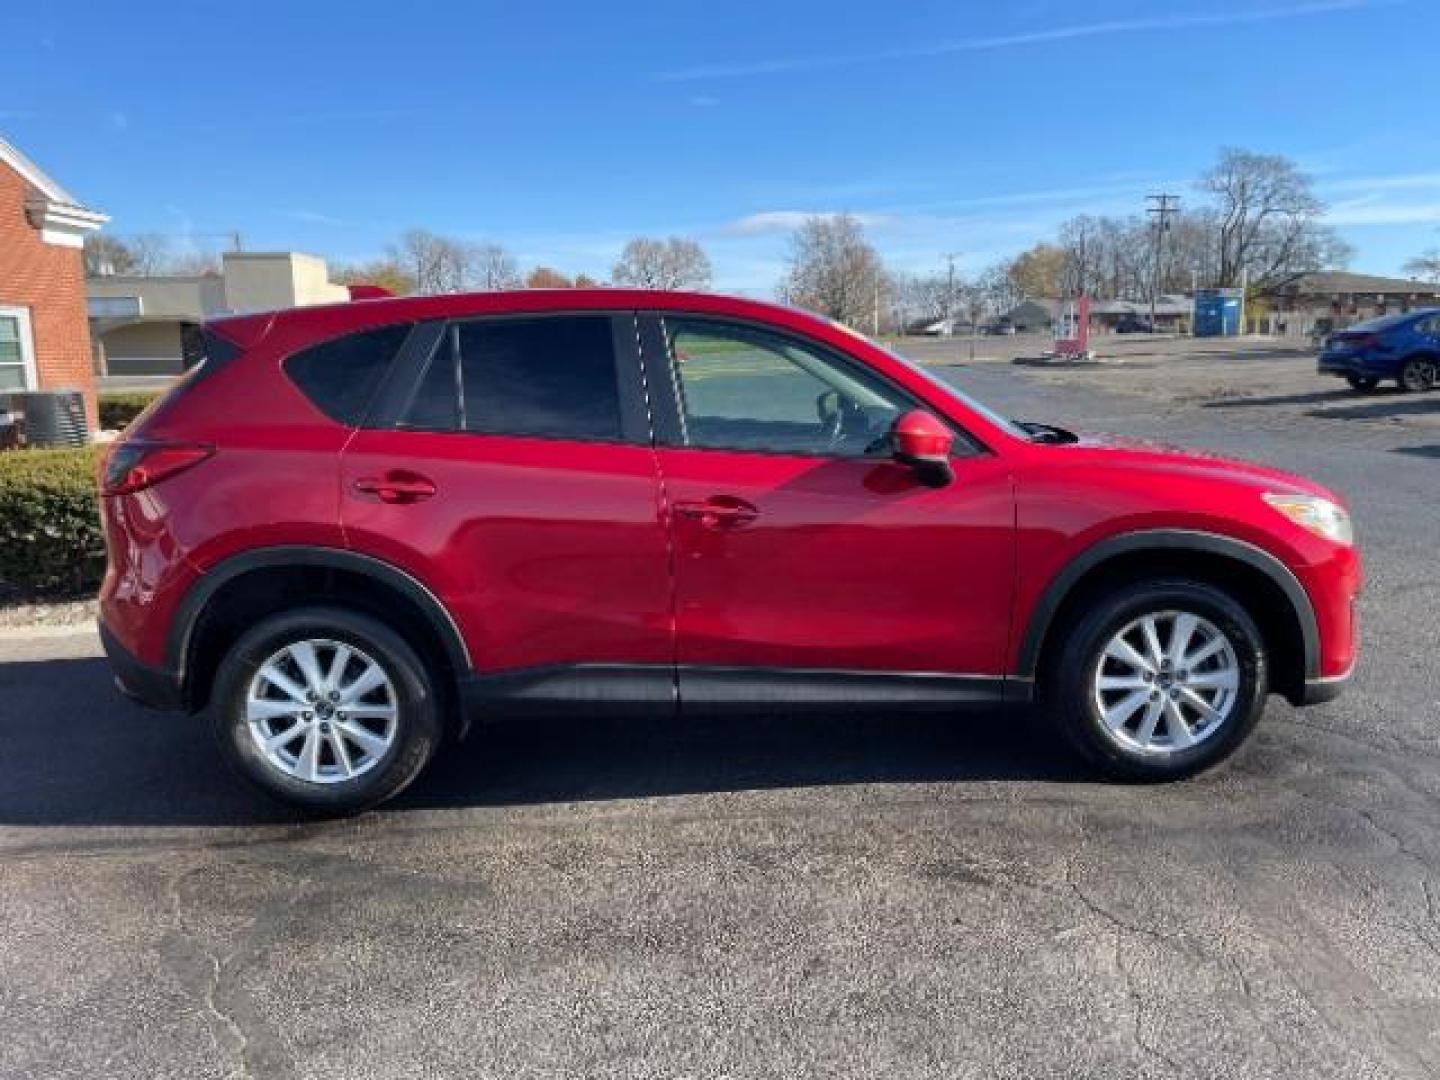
119 407
50 538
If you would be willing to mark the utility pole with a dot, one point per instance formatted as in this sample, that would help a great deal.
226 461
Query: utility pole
1162 209
950 257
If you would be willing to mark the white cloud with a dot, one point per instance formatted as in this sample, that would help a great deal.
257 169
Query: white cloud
1392 182
775 221
1377 211
1194 20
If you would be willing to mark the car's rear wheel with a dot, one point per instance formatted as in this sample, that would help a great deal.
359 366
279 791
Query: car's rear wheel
326 709
1363 383
1160 679
1417 374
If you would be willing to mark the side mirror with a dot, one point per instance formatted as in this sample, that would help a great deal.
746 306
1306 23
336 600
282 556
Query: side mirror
920 440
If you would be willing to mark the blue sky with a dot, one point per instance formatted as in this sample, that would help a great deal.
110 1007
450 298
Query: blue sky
559 129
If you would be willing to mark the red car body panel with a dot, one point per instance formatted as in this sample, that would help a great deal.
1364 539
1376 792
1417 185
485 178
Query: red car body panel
544 551
827 573
555 552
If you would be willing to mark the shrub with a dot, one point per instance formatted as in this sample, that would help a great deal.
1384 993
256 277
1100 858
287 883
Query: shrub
119 407
50 538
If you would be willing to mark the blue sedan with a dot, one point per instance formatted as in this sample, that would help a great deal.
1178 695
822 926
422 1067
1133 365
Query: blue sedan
1405 348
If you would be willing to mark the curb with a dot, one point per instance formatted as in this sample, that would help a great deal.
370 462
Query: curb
43 632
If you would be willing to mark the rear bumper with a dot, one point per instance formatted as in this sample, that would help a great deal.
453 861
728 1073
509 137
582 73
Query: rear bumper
156 687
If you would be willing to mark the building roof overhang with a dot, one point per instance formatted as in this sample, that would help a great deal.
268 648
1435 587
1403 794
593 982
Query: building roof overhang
54 212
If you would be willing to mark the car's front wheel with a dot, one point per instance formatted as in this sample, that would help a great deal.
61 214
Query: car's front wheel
326 709
1363 383
1160 679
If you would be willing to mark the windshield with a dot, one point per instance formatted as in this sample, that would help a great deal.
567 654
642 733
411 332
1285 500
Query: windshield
1384 322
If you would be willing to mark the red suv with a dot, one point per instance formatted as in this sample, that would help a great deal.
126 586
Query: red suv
351 529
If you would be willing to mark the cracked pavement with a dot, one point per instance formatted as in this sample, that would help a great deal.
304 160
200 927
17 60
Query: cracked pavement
845 896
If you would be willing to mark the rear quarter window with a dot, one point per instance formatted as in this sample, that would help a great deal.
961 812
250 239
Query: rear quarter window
340 376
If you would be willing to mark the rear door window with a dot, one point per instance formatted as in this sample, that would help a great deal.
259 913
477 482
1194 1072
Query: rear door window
549 376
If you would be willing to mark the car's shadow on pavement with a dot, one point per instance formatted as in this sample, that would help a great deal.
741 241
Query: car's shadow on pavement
1383 408
73 752
1315 397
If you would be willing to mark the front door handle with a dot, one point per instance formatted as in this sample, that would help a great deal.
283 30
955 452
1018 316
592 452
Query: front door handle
719 512
398 486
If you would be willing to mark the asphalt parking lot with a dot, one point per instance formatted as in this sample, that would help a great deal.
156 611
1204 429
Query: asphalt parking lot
854 895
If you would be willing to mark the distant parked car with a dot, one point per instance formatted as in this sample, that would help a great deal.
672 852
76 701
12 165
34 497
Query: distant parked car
1405 348
1000 328
1134 324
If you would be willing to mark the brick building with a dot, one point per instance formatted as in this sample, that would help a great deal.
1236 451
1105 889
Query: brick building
44 330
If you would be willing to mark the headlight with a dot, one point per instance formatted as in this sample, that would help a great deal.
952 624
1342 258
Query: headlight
1320 516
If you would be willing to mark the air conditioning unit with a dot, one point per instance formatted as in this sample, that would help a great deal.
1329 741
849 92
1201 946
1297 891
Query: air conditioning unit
43 418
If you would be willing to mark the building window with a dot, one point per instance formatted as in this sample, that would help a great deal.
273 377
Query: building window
17 350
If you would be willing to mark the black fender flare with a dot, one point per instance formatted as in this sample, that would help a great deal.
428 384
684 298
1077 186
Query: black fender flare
1129 543
192 608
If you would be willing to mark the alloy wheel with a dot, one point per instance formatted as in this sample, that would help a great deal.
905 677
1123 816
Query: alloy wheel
322 711
1418 375
1166 682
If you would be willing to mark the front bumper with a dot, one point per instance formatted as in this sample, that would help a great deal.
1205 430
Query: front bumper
155 687
1345 366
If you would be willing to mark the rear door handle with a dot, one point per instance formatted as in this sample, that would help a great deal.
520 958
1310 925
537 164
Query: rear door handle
399 486
719 512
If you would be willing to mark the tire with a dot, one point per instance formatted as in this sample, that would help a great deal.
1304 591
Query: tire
1362 383
1417 374
1079 705
394 725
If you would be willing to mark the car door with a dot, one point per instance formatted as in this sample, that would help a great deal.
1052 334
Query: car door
511 472
806 559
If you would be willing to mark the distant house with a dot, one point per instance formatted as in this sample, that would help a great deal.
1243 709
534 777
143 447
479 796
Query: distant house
44 338
1172 313
1033 314
141 324
1335 298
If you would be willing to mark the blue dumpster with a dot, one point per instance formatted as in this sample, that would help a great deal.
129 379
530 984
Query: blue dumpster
1218 312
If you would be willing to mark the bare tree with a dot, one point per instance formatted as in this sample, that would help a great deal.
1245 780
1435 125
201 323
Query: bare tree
436 263
443 264
923 298
1270 221
835 271
1080 240
675 263
106 255
491 267
1425 267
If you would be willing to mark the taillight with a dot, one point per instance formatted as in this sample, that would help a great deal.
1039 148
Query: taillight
136 464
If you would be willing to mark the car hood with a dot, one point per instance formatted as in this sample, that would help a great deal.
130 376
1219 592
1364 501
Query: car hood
1136 453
